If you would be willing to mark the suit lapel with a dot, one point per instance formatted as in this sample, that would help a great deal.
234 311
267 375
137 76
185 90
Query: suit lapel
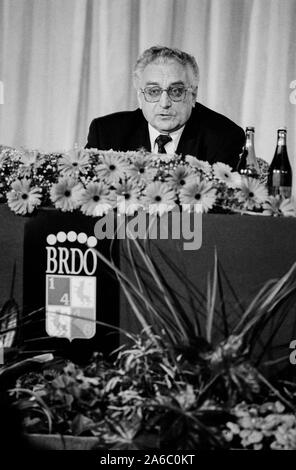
190 140
139 136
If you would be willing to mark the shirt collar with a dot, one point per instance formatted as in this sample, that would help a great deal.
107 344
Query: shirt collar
175 135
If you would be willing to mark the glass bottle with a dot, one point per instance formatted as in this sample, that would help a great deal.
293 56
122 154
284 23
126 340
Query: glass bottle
248 164
280 172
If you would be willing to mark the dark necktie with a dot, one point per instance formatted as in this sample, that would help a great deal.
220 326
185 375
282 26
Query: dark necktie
161 141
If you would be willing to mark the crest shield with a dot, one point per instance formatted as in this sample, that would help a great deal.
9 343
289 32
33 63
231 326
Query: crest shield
70 306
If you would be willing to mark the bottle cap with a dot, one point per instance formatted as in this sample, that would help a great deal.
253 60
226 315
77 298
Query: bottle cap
250 128
283 128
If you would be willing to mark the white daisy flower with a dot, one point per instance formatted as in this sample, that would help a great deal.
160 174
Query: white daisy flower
199 196
96 200
225 174
277 206
179 177
112 168
141 170
252 194
29 157
66 194
201 165
159 198
23 199
74 162
128 198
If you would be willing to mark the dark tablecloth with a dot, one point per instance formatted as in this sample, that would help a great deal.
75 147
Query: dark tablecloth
250 250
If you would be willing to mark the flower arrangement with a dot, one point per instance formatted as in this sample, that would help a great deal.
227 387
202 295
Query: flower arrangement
150 398
261 427
95 182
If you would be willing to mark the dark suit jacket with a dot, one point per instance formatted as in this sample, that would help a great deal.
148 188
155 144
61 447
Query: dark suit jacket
207 135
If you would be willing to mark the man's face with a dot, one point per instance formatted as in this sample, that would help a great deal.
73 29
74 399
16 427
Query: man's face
166 115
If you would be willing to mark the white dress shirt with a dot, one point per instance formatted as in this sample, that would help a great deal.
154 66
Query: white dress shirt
171 146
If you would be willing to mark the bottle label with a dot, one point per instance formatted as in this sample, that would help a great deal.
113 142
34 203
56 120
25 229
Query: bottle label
283 191
281 179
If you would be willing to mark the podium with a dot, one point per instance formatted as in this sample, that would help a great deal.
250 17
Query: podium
58 278
251 250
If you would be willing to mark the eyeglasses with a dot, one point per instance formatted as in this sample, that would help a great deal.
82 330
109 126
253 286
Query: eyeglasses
152 94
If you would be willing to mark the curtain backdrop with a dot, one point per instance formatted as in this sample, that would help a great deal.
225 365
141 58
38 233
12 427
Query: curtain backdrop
64 62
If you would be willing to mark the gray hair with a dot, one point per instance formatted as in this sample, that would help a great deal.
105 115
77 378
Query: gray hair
164 54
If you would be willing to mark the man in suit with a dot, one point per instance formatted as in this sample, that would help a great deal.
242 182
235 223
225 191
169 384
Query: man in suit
168 119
